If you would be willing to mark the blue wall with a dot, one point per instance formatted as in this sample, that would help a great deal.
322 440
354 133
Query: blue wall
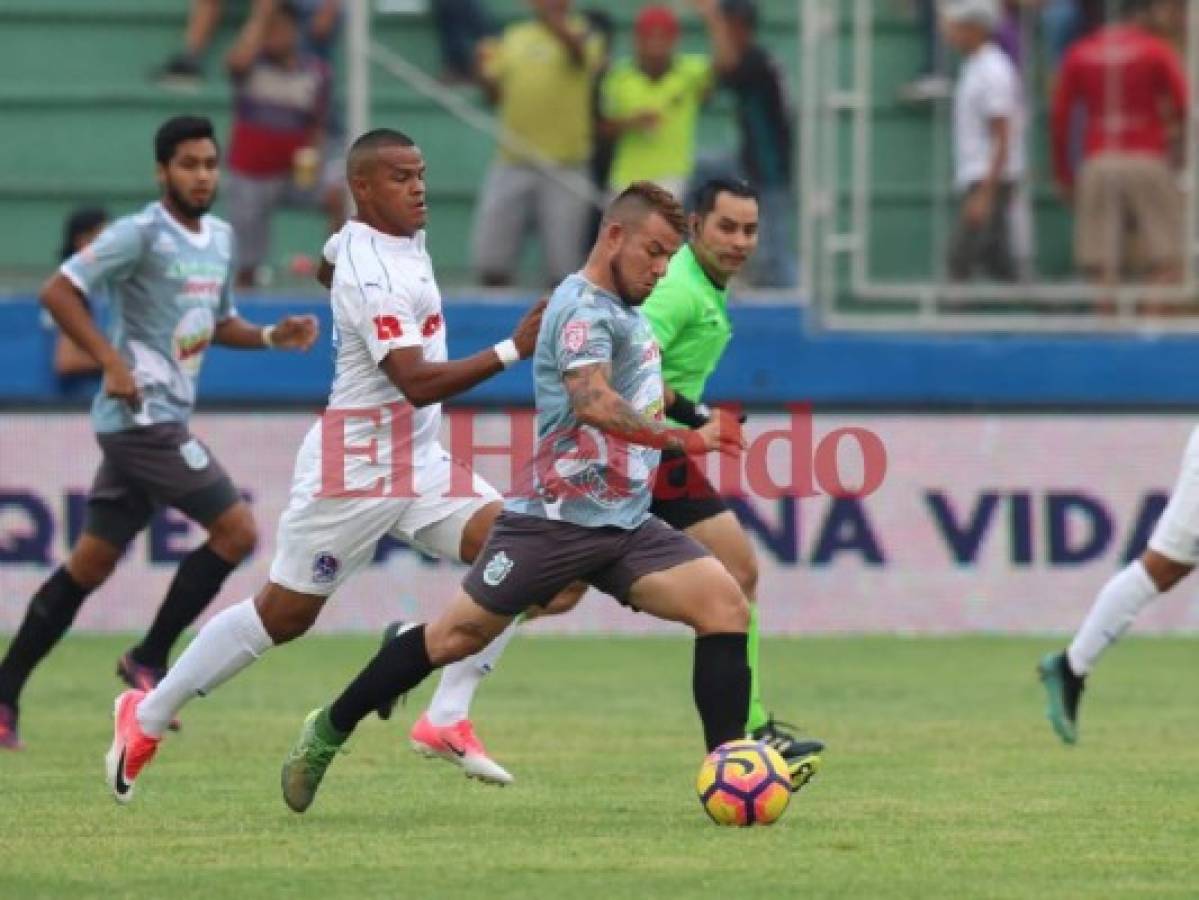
772 360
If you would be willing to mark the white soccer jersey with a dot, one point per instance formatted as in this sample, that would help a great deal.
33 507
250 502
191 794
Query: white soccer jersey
345 491
384 297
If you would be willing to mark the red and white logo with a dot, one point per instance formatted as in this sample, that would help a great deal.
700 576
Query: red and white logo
574 336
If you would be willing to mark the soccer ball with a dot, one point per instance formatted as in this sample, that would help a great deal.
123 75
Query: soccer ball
744 783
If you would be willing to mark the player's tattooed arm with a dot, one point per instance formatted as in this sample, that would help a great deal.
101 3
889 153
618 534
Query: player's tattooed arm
595 403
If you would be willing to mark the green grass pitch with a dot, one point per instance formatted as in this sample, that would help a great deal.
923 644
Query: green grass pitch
942 780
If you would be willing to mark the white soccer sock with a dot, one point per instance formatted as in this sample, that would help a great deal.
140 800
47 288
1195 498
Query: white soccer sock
460 680
228 643
1128 592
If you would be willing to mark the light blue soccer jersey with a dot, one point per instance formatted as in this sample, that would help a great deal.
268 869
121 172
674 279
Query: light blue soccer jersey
582 475
167 289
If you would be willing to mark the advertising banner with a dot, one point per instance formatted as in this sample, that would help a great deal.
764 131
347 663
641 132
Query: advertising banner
922 524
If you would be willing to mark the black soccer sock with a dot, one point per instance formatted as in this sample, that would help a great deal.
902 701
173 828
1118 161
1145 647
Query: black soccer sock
196 582
399 666
720 683
50 614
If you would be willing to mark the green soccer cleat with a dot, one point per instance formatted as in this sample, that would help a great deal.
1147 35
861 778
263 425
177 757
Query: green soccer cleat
306 764
803 769
802 755
1063 689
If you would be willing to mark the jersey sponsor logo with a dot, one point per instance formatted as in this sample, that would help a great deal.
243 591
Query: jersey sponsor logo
387 328
325 567
431 325
192 336
651 352
194 455
497 569
574 336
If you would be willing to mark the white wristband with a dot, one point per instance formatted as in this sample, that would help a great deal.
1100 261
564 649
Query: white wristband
507 352
268 336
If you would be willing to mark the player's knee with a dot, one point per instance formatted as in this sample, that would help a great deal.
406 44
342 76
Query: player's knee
235 537
1163 571
724 609
283 621
90 564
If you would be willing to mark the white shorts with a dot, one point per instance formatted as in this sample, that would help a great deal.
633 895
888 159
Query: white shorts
1176 535
322 541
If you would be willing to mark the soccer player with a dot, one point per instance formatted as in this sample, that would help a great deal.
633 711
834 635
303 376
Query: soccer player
688 313
371 466
167 272
1172 554
584 514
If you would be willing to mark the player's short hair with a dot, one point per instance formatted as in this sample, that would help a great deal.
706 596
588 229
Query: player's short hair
290 9
639 200
365 147
175 131
704 199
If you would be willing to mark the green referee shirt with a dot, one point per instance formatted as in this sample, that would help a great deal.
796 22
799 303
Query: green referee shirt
690 319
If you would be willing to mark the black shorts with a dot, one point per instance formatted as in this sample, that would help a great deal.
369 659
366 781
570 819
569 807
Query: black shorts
145 468
683 496
528 560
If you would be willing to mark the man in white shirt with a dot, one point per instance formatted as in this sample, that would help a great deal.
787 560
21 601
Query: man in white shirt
988 125
371 466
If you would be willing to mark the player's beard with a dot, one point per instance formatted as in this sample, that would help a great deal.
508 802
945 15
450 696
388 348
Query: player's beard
622 288
185 206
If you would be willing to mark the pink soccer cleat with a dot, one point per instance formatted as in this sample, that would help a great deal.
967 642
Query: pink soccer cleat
9 739
142 678
131 747
458 744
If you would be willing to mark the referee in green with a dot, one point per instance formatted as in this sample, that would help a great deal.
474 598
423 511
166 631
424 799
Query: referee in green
688 311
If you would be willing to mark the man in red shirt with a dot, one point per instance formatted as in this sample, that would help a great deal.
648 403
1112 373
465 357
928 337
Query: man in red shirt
1132 92
281 108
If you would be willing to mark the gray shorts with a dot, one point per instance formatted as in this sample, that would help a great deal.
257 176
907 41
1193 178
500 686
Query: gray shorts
250 203
145 468
514 199
528 560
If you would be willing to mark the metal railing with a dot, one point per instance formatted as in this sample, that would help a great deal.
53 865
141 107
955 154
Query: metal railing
838 199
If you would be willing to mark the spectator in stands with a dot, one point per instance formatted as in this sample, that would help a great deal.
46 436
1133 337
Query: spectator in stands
601 24
540 73
1131 90
651 105
77 372
988 134
931 83
746 69
281 107
320 23
460 25
1065 21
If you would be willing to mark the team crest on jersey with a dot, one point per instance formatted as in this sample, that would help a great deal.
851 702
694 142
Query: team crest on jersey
574 336
164 243
497 569
324 568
